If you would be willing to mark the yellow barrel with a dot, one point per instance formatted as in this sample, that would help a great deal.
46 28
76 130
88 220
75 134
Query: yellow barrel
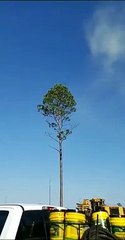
74 225
102 217
56 225
118 226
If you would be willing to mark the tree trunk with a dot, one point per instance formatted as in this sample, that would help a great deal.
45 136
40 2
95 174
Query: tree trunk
61 173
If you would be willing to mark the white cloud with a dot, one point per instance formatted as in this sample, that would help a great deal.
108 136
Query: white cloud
106 35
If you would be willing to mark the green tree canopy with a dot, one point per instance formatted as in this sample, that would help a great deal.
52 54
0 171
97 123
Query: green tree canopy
58 104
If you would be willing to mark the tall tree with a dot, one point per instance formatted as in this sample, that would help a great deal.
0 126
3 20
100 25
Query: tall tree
57 106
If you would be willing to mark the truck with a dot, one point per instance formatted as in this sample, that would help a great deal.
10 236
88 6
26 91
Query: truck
48 222
25 221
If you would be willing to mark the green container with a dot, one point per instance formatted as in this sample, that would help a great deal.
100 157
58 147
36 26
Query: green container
56 225
102 218
74 225
118 227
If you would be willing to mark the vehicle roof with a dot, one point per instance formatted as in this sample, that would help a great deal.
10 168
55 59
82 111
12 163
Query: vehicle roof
29 206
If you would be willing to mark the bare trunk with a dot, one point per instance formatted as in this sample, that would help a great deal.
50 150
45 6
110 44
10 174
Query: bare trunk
61 173
60 137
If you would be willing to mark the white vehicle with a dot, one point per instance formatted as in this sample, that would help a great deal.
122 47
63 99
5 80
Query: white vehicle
25 221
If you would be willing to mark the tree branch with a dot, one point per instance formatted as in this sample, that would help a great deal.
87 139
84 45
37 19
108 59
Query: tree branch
54 148
52 137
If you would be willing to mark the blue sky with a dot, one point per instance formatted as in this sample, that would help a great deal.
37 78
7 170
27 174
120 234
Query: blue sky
82 46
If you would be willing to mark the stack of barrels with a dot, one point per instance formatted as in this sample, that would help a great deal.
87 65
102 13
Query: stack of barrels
116 225
71 225
67 225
